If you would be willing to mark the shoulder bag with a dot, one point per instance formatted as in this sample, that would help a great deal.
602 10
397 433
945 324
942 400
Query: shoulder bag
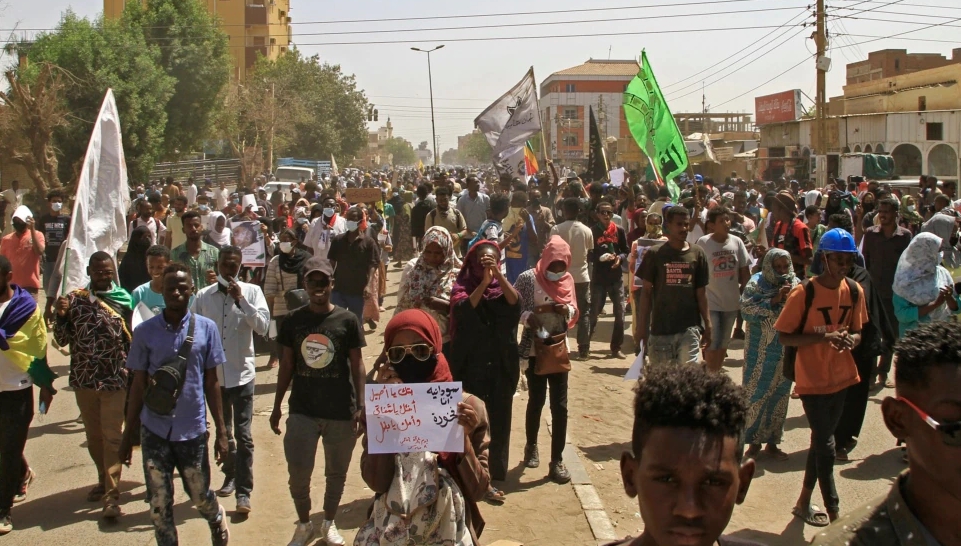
166 384
550 355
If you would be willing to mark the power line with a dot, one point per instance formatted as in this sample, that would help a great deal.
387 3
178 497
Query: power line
806 59
928 6
833 17
931 40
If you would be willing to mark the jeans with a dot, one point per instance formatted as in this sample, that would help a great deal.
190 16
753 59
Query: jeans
599 294
300 449
823 412
238 405
884 365
537 387
16 412
350 302
582 290
190 458
103 415
722 324
855 404
683 348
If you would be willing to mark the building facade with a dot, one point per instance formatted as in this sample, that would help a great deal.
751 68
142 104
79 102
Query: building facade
888 63
255 27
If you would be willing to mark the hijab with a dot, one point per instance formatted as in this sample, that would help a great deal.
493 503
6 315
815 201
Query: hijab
469 278
919 277
425 281
944 227
772 280
421 323
132 271
292 262
221 237
911 217
638 226
562 291
811 198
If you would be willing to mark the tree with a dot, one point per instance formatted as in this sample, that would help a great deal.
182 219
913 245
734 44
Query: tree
476 149
450 157
193 50
402 149
98 55
29 115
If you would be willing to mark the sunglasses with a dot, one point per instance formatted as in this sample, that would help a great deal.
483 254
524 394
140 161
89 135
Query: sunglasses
604 213
420 351
950 432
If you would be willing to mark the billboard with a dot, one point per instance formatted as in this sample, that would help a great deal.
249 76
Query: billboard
778 108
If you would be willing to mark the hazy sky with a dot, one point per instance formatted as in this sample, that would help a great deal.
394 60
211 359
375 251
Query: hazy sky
469 75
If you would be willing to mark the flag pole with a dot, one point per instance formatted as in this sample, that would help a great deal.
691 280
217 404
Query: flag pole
66 263
539 120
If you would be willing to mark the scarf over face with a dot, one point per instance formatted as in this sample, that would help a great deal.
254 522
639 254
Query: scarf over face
944 227
470 277
562 291
919 277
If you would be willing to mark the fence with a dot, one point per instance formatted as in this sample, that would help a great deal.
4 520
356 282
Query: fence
226 170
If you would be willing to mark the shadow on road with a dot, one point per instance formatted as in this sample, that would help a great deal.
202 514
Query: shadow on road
797 421
792 535
876 466
606 452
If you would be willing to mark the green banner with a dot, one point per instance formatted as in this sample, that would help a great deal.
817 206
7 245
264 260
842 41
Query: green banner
652 125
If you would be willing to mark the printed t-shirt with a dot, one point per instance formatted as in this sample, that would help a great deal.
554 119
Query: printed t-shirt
819 368
321 343
54 229
726 260
676 276
795 242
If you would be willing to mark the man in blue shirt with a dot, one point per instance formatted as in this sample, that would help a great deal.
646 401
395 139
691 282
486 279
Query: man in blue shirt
178 440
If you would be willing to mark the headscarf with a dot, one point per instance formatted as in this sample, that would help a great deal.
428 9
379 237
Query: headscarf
469 278
918 278
421 323
911 217
562 291
658 231
293 262
637 227
944 227
811 198
132 271
426 282
772 279
222 238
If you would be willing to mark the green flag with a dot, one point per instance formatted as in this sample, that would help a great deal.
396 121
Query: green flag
652 125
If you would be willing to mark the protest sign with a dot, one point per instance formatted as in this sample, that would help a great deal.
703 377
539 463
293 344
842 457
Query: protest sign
250 240
414 417
363 195
637 367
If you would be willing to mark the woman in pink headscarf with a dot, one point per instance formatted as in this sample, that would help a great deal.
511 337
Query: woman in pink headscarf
548 305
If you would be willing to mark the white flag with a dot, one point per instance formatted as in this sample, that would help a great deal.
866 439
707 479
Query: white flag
511 162
512 119
100 207
333 166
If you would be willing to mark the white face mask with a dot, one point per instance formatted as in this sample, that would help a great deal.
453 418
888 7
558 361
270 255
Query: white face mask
328 212
223 281
554 277
56 206
911 208
352 225
286 247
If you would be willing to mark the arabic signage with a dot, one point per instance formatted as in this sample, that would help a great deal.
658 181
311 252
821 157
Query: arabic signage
778 108
414 417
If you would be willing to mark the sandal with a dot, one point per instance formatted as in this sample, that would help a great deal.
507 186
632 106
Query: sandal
776 453
753 451
795 395
495 496
813 516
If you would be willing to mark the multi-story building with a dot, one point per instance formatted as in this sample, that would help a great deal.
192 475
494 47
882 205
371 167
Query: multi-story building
888 63
375 154
255 27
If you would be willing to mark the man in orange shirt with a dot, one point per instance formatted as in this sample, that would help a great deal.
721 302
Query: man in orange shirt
24 248
823 319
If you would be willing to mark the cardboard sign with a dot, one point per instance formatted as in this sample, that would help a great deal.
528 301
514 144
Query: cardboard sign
363 195
250 240
414 417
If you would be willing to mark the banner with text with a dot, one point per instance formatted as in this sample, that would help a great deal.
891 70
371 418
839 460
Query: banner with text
414 417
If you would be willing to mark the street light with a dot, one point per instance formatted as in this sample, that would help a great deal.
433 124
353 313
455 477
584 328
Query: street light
430 82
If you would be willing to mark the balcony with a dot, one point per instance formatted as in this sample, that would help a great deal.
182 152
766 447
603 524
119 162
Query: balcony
251 54
255 14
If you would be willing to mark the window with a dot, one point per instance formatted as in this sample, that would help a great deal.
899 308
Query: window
570 113
571 88
570 140
897 65
935 131
259 40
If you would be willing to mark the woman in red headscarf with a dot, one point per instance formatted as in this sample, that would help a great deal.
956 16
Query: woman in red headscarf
549 308
425 492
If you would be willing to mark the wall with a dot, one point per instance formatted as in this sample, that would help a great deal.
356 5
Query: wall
939 86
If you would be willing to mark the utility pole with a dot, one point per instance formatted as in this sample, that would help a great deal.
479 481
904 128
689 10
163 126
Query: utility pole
430 82
821 147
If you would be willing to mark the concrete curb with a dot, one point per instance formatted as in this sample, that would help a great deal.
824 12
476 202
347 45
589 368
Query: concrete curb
591 504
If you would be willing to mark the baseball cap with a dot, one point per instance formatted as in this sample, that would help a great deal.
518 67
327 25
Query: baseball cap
317 263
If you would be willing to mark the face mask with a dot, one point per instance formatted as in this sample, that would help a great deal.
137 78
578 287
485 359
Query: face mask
411 370
236 201
203 208
554 277
328 212
911 208
224 282
56 206
286 247
653 231
352 225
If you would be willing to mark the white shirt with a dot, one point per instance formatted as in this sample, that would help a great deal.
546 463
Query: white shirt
191 192
581 240
237 324
157 229
220 198
319 235
11 378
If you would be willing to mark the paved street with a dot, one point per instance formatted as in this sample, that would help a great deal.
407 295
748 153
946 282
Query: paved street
538 512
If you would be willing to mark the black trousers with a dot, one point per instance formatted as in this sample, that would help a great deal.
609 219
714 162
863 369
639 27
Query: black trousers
855 404
823 412
496 388
16 413
884 364
537 389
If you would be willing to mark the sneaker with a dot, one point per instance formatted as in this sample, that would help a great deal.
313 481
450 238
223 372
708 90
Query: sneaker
243 504
303 534
111 511
228 488
331 536
6 524
558 473
531 457
219 533
25 485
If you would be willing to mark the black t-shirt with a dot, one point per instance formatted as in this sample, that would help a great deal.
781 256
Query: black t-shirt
54 229
418 217
676 276
354 260
322 342
604 272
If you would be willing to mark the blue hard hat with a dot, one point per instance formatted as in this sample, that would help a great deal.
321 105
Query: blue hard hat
698 178
837 240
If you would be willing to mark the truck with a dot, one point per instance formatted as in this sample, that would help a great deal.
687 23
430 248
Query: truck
290 169
870 166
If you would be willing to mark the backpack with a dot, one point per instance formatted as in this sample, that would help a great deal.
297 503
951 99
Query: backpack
790 353
166 384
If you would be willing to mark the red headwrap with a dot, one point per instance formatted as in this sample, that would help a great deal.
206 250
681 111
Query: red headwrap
562 291
424 325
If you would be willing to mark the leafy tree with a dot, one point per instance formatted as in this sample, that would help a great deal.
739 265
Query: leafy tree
450 157
403 151
98 55
194 51
476 149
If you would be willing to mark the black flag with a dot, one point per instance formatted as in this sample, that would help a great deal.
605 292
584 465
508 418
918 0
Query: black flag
597 169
